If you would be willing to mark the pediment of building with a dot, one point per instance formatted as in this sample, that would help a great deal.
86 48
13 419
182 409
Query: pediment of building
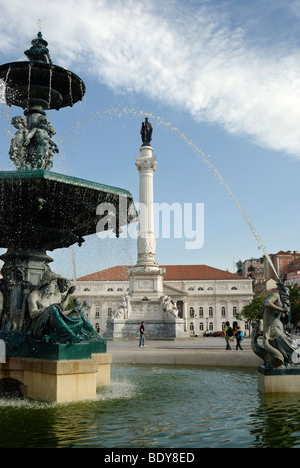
171 290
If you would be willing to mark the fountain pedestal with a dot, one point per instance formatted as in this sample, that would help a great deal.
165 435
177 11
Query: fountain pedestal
279 380
59 381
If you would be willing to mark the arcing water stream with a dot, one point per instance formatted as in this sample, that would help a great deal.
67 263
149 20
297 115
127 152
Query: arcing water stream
132 112
125 112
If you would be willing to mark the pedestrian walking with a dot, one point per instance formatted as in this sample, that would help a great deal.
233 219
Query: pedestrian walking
142 335
228 334
239 338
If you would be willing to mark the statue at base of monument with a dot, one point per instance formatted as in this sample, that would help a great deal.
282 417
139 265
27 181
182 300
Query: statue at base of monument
279 348
169 308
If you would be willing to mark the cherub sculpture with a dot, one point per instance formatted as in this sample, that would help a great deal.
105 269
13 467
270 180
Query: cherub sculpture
34 148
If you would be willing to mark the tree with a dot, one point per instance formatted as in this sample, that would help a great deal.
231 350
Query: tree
251 269
252 312
239 266
295 304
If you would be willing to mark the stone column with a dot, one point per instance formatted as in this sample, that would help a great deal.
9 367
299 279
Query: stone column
146 165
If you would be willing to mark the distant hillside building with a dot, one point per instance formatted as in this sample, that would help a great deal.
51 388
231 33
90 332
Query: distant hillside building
284 264
254 267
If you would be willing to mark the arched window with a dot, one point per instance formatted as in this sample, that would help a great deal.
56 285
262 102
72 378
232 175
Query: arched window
234 288
234 311
201 326
200 312
110 290
211 312
211 326
223 311
192 312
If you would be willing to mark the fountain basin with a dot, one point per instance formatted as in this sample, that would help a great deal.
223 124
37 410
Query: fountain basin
42 210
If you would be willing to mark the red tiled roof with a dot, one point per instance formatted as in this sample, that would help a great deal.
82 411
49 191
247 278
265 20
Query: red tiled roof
174 273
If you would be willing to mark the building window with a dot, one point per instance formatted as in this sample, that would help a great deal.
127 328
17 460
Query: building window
120 289
201 326
201 312
97 315
234 311
110 290
211 326
210 289
192 312
211 312
223 311
200 289
191 289
109 312
191 326
234 288
86 290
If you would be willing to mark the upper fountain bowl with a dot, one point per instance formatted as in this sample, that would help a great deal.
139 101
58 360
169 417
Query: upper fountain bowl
39 82
29 82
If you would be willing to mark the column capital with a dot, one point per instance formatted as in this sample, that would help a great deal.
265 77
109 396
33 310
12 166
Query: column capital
146 164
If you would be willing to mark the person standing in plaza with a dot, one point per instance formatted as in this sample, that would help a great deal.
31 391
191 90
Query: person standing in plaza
142 335
228 334
239 338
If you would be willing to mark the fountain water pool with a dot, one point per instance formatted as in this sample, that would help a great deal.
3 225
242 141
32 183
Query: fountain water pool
159 407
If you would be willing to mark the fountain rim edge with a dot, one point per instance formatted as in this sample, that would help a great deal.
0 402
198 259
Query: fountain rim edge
55 176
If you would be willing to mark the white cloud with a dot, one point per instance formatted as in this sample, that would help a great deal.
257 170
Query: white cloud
186 56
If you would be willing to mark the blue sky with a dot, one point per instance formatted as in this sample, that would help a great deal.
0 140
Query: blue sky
223 74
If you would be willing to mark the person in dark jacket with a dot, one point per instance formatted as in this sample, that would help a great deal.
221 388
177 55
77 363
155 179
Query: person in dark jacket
142 335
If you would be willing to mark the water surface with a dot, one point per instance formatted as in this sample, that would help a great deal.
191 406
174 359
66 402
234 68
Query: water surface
159 407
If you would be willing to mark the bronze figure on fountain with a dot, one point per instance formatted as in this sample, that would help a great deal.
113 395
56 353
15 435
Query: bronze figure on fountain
279 348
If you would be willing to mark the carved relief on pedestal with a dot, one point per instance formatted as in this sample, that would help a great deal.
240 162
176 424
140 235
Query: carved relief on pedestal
147 245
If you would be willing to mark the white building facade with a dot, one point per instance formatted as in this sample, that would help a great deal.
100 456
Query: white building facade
206 298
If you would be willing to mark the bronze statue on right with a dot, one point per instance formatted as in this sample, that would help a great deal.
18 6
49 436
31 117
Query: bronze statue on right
146 132
279 348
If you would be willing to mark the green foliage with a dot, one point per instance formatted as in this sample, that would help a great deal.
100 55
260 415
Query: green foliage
252 312
295 304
